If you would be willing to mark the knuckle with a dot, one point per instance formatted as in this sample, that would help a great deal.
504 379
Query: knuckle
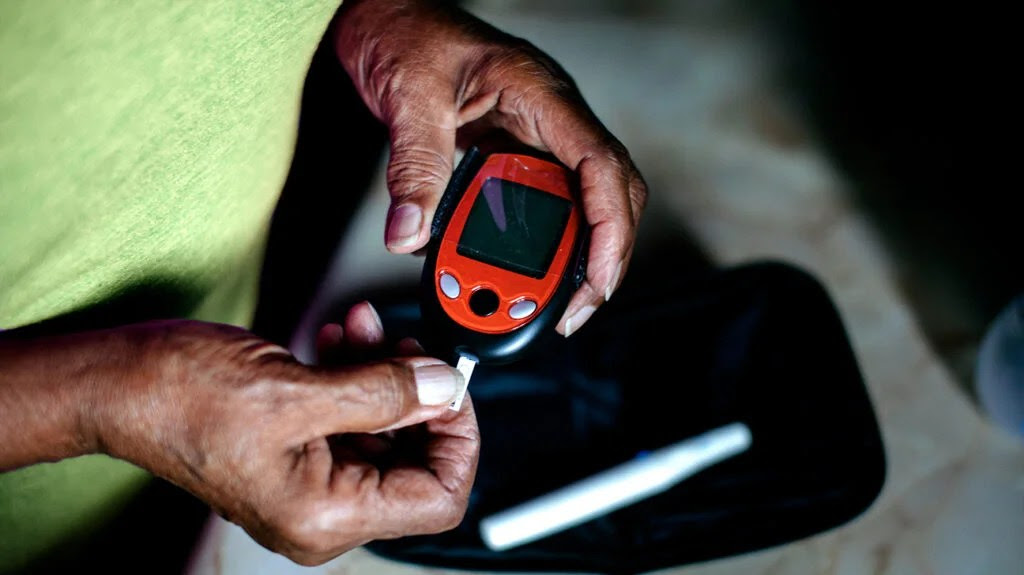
613 160
455 517
624 230
384 76
537 62
530 66
298 539
303 537
638 191
450 518
419 91
387 388
618 166
414 169
613 146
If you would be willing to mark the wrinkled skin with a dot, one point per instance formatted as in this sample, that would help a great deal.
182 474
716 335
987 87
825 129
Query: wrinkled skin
433 74
296 455
315 460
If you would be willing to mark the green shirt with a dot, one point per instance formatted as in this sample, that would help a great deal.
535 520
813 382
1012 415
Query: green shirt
143 146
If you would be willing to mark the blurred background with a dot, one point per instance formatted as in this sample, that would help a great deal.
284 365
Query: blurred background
835 136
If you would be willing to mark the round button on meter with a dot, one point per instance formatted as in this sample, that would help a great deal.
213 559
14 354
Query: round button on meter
450 286
522 308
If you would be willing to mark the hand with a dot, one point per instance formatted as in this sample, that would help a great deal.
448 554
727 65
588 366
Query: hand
261 438
426 70
430 448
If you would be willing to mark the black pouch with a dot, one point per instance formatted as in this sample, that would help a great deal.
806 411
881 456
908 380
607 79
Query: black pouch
665 360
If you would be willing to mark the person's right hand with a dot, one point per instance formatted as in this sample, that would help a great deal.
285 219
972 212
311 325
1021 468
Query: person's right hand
431 71
241 424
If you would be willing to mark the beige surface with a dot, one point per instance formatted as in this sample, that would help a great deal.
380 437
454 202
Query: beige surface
728 159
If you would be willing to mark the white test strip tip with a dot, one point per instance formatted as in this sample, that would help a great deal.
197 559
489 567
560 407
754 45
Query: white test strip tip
465 366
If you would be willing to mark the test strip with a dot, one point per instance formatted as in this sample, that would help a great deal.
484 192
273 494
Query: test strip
465 366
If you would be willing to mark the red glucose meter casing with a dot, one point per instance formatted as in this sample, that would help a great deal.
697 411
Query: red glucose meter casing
507 251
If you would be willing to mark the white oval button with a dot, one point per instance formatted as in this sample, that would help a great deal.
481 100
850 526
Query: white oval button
522 309
450 286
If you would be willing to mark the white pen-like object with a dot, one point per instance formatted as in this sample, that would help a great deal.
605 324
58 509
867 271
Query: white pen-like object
612 489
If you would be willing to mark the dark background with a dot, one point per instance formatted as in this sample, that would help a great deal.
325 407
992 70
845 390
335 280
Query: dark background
911 100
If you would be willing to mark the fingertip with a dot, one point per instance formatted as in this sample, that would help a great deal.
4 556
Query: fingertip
414 248
465 408
329 337
582 306
409 346
366 314
363 326
574 322
404 230
608 258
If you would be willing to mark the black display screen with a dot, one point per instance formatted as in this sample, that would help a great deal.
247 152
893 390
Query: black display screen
514 227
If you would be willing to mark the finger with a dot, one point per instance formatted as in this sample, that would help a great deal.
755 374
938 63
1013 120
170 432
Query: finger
581 306
408 346
383 395
613 193
611 209
420 500
317 461
455 447
363 328
422 122
362 334
328 341
613 196
584 303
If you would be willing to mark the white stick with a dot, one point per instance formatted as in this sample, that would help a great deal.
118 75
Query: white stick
612 489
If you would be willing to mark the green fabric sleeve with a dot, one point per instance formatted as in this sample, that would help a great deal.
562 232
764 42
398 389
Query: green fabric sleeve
143 147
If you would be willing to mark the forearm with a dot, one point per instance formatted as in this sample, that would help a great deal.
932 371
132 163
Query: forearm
48 391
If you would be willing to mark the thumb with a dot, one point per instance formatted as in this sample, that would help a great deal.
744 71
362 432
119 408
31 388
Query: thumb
422 128
386 395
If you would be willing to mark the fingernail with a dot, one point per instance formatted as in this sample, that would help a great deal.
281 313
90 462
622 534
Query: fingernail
608 291
404 227
577 319
376 316
436 384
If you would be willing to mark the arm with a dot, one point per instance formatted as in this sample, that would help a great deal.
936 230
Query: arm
432 72
239 423
47 388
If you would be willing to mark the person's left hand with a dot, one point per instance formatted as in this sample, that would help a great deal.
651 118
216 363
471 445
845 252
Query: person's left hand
426 70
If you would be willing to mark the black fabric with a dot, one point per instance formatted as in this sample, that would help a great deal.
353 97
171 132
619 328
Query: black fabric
665 360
